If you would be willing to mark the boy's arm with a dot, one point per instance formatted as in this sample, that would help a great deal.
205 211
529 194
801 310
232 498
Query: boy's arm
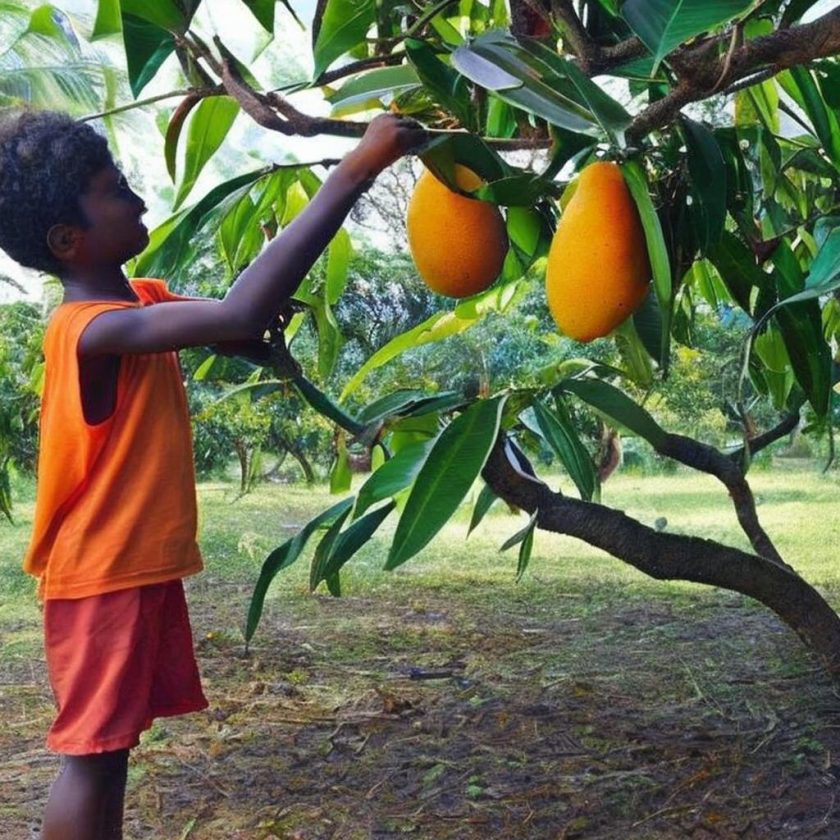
259 293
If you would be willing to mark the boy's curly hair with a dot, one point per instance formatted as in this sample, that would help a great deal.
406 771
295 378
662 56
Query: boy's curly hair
46 162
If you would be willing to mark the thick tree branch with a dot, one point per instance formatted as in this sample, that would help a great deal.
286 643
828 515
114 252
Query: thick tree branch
756 444
667 556
701 73
273 111
707 459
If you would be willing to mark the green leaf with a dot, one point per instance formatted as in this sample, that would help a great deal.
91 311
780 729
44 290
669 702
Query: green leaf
172 241
283 557
442 83
342 546
824 276
524 538
615 404
209 125
494 65
146 47
801 81
263 11
483 503
708 182
393 476
663 25
442 153
737 268
610 114
326 407
165 14
339 254
108 20
344 25
516 191
375 84
341 476
660 263
634 355
456 460
323 550
559 432
801 328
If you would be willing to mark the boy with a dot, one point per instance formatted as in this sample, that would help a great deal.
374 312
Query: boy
115 519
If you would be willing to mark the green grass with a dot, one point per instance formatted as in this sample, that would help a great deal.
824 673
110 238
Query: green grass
800 510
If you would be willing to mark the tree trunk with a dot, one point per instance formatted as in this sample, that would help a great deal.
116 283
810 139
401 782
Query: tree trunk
308 472
242 454
667 556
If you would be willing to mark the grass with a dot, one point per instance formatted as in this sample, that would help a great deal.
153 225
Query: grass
585 700
800 510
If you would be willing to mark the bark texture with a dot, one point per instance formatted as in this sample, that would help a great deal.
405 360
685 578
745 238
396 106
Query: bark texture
666 556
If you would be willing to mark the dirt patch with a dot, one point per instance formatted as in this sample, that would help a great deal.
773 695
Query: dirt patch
492 716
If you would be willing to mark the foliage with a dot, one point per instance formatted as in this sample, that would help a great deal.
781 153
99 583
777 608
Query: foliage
740 215
21 330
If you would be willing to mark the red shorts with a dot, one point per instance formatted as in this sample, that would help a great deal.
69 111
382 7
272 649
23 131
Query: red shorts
116 661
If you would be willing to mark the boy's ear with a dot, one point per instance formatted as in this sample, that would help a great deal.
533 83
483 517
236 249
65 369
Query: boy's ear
62 241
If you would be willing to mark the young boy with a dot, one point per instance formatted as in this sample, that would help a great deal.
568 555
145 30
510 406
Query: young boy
115 516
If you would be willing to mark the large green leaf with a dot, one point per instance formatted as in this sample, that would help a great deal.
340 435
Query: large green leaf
325 406
499 67
393 476
483 503
738 270
171 242
208 126
801 328
283 557
663 25
559 432
799 82
456 460
146 47
344 25
615 404
610 113
341 546
660 263
708 182
165 14
442 83
824 276
375 84
108 20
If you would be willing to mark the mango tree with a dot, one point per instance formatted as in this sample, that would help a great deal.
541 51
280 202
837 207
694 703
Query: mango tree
724 119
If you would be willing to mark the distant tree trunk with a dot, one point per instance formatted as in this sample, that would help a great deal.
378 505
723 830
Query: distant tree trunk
667 556
308 472
242 451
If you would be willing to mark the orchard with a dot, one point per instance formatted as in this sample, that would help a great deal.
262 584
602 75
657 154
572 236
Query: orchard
660 183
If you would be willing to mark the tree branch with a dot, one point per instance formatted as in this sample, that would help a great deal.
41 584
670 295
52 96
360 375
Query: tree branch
667 556
700 75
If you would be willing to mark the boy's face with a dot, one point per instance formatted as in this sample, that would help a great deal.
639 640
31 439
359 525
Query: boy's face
115 232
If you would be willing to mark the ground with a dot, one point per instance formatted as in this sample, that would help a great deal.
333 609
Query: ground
467 706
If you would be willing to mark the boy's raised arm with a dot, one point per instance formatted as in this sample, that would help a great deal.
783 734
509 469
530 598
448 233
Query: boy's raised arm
254 300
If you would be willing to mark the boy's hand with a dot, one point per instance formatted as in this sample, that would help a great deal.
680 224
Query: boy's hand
388 138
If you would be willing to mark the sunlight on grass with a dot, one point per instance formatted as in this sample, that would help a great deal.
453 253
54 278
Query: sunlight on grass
799 509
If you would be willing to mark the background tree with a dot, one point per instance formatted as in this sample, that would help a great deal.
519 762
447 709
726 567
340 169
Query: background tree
739 217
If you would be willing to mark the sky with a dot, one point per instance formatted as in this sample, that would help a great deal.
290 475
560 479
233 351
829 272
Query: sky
238 30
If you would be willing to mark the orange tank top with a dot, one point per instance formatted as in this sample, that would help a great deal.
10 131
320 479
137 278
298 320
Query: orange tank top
115 505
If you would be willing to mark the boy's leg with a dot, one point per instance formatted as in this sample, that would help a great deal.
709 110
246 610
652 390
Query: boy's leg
86 799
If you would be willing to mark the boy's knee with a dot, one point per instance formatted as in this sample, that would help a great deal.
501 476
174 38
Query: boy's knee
101 769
